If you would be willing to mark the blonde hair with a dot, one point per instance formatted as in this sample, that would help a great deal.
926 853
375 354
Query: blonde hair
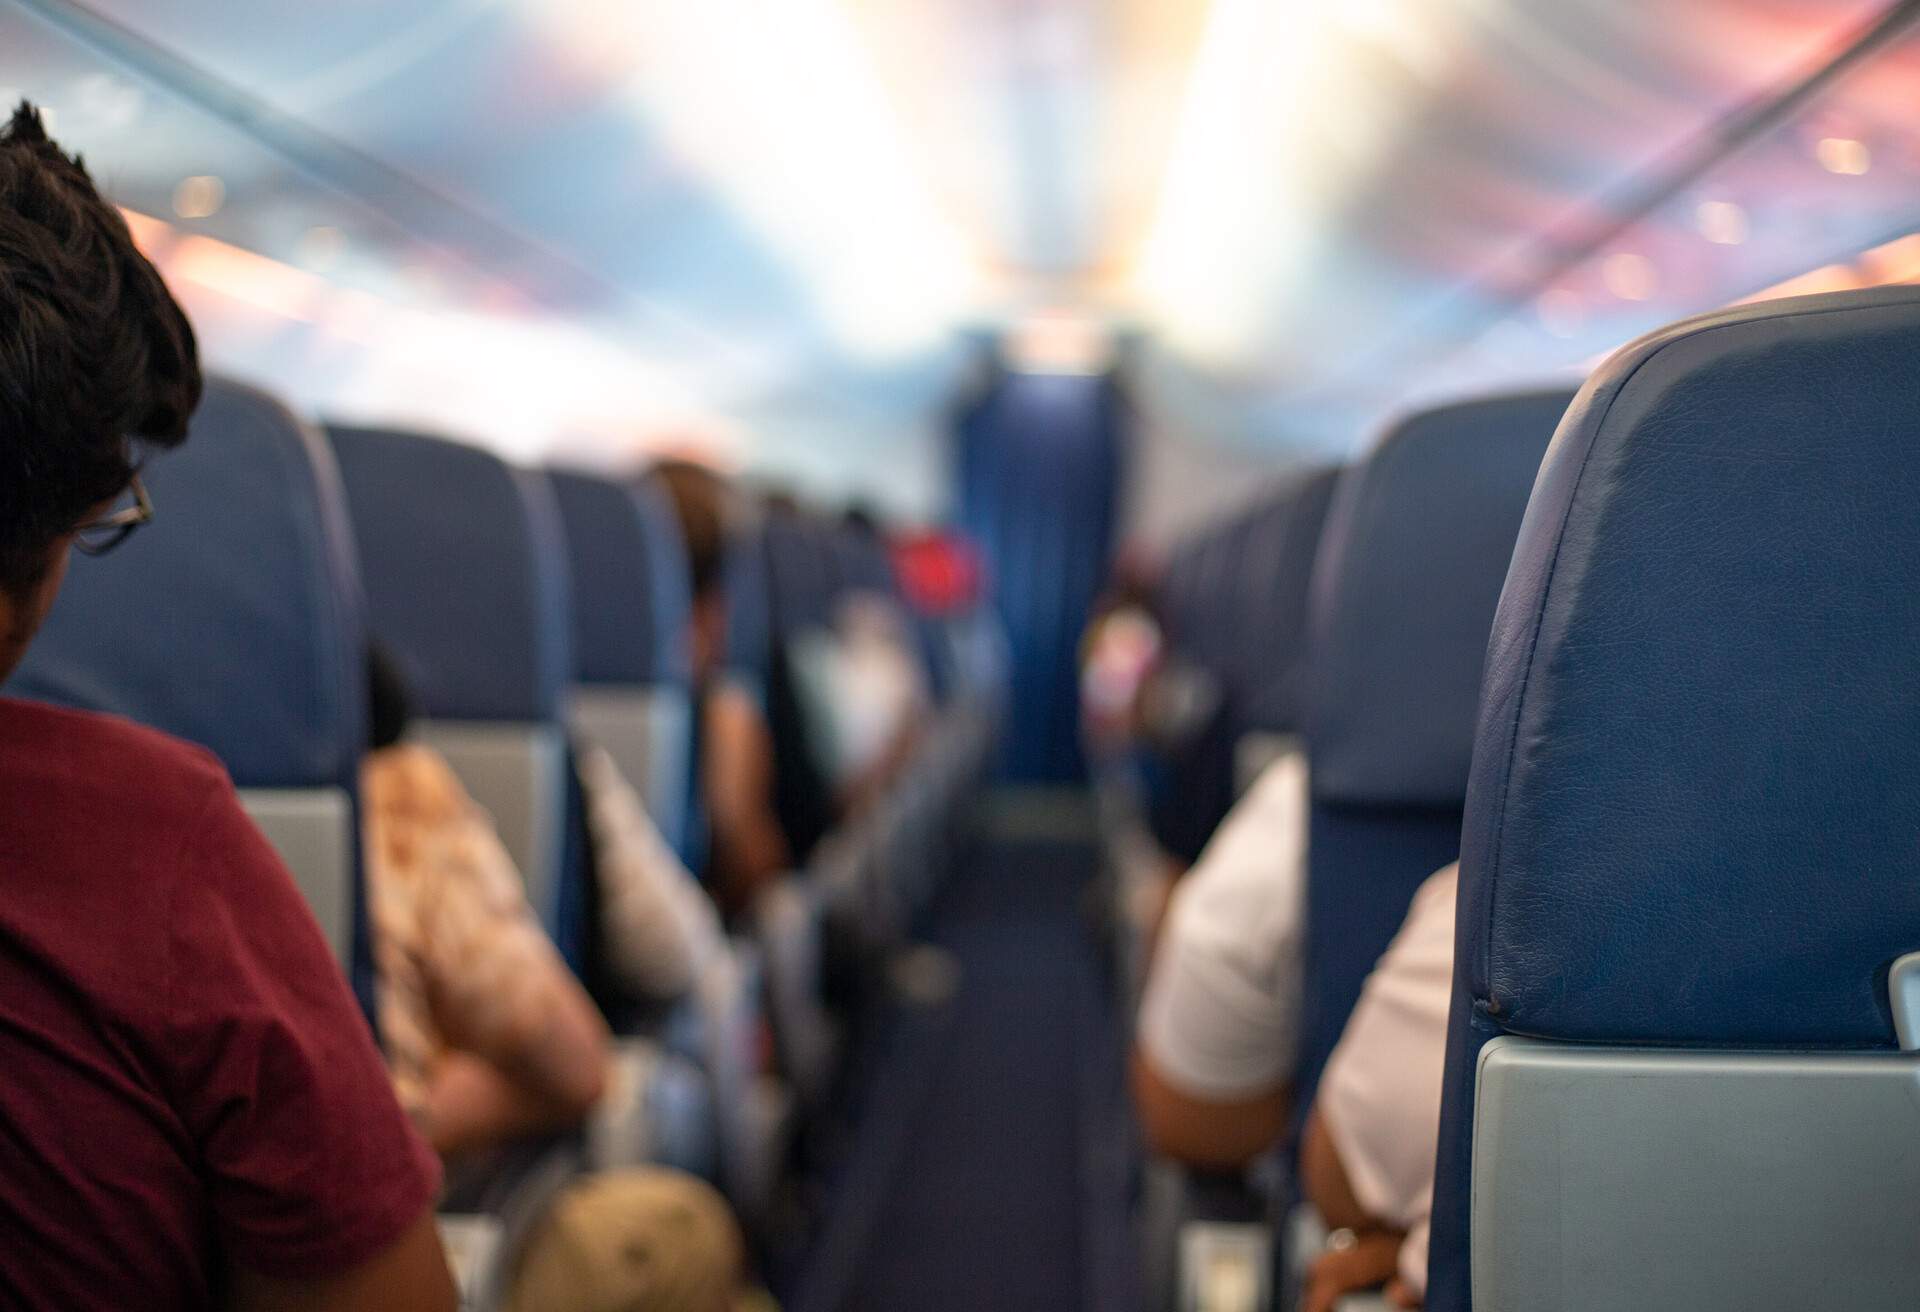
650 1240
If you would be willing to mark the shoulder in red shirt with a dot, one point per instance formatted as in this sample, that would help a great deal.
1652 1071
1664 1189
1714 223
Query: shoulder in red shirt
188 1082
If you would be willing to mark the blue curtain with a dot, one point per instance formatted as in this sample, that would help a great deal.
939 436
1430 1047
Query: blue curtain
1039 472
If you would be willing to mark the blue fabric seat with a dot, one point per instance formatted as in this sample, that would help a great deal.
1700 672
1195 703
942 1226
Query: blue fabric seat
631 638
1193 772
1415 549
464 565
1692 816
1233 603
234 621
1267 614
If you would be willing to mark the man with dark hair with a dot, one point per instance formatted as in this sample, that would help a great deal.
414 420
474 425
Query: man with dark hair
737 767
193 1112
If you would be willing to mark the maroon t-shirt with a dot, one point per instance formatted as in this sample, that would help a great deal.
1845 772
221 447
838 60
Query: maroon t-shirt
185 1080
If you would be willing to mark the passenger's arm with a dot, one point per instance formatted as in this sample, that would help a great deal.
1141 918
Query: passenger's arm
1207 1133
312 1172
528 1046
660 926
1372 1259
472 1104
1220 1014
410 1276
749 847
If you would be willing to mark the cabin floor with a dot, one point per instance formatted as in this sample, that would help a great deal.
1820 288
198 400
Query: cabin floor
992 1162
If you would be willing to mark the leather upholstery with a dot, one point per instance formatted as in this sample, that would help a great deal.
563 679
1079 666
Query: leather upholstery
466 574
630 583
1416 547
1247 576
1409 569
1692 818
1364 865
233 619
1269 676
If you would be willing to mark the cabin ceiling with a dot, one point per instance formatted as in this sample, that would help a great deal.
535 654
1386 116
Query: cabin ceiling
793 215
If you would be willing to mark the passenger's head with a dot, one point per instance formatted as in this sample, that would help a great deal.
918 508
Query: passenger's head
96 360
647 1240
699 499
389 705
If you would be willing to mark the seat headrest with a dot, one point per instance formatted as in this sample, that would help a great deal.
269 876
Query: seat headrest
866 565
1267 611
749 653
1196 573
1409 569
465 570
233 620
803 572
1693 814
630 582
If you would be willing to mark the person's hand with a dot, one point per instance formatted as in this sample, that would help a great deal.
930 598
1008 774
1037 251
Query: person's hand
1400 1295
1367 1262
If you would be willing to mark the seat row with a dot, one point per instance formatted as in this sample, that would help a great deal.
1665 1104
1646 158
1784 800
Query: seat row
532 612
1640 659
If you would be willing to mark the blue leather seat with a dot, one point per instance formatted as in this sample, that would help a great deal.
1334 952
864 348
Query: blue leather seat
631 636
1234 601
1689 858
1268 612
234 621
465 570
1409 569
749 642
1193 786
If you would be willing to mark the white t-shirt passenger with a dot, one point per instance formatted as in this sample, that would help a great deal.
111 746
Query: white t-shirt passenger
1220 1019
1380 1097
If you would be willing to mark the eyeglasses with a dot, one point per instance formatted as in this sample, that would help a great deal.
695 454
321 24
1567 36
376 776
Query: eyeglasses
98 537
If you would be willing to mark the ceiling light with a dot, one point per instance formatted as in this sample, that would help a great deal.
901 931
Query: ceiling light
199 197
1630 276
1560 312
1843 155
320 247
1721 222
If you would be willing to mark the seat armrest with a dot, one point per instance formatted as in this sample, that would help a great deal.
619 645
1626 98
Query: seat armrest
491 1212
1369 1302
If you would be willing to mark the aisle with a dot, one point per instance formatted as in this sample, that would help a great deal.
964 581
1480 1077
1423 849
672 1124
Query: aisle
992 1171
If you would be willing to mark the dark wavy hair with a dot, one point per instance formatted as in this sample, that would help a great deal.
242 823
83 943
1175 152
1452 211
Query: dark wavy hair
699 501
95 356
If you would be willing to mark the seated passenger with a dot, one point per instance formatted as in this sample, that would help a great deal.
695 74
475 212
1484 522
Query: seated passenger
659 926
1118 655
1367 1159
1220 1017
489 1035
634 1241
193 1112
491 1038
863 697
749 847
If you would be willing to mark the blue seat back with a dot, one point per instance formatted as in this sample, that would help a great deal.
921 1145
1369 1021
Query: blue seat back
1268 612
465 570
630 586
1192 787
234 621
749 644
1234 600
466 573
804 572
1692 814
632 636
1408 572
